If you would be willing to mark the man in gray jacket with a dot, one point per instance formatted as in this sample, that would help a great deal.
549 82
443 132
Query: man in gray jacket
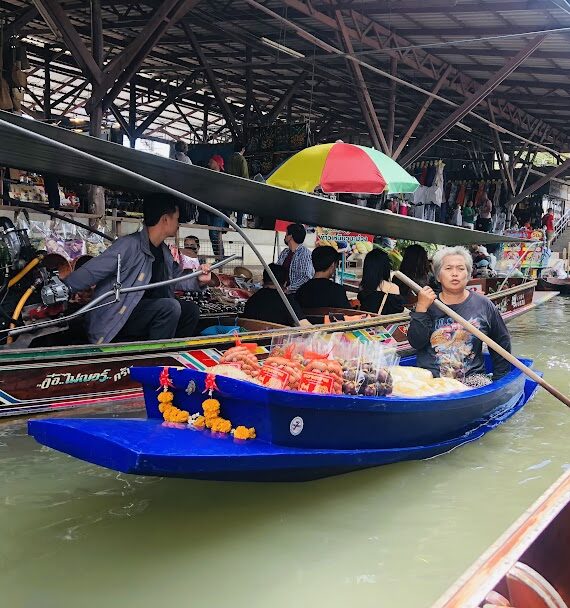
153 314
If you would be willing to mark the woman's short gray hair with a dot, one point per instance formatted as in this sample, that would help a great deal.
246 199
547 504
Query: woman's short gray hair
441 254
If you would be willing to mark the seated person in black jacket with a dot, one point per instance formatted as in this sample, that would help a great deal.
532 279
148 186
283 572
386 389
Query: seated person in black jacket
267 305
375 278
321 291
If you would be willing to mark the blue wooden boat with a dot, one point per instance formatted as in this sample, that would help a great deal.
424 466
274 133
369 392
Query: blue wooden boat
300 436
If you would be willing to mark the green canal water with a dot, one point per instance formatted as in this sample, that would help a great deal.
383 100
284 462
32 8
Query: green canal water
78 536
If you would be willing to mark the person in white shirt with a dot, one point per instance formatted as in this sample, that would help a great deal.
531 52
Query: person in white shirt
181 152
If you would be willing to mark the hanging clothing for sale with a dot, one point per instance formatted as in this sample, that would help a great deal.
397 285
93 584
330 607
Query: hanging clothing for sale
479 193
453 193
460 198
435 191
430 175
456 217
420 195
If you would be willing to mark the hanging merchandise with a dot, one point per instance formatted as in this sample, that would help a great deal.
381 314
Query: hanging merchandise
5 97
435 191
497 196
22 56
453 191
460 198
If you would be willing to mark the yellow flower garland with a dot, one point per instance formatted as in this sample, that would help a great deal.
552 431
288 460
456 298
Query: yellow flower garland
210 420
169 412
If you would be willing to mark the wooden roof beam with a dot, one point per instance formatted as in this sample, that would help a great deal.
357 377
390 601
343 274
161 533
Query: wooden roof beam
375 36
124 67
366 106
218 94
473 101
58 21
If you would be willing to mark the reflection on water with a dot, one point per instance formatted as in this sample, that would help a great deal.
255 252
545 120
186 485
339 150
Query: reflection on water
75 535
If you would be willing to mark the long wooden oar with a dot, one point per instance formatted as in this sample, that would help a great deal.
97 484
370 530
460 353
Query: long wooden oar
490 343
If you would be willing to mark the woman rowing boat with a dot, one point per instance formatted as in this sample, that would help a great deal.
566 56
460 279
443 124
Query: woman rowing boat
445 347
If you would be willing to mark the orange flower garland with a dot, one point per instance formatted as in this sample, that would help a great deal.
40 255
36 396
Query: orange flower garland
169 412
211 408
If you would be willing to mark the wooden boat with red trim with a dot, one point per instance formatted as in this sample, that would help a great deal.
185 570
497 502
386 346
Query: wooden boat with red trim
40 379
529 566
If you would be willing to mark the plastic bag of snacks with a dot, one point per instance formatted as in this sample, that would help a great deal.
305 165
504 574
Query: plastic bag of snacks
282 370
367 372
242 356
322 371
417 382
96 244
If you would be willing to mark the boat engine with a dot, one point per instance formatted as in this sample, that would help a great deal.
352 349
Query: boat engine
15 248
28 288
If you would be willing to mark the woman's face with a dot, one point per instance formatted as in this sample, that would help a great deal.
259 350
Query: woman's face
453 275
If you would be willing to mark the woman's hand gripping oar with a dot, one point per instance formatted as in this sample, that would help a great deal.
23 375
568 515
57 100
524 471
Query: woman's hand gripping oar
490 343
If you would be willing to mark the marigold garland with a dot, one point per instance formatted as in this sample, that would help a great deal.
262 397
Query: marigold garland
211 408
242 432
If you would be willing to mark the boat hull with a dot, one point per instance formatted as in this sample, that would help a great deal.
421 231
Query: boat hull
562 286
340 421
153 447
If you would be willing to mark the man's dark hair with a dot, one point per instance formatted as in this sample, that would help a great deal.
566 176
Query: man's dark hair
279 272
298 232
323 257
181 146
156 205
239 145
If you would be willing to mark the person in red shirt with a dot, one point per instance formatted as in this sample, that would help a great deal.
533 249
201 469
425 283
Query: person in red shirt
548 223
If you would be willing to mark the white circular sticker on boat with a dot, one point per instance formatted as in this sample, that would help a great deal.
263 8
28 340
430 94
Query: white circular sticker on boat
296 426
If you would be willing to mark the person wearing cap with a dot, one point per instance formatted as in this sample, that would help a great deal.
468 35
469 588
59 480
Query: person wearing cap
321 291
151 314
296 259
267 305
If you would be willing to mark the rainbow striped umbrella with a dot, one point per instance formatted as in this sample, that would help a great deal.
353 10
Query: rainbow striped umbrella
341 167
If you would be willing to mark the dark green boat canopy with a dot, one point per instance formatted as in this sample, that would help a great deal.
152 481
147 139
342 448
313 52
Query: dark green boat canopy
22 151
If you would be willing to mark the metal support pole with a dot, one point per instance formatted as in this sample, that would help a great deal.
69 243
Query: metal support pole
248 91
391 107
418 118
205 124
47 90
96 194
133 112
367 107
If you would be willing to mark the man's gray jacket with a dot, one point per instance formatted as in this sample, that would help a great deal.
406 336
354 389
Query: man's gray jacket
104 323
